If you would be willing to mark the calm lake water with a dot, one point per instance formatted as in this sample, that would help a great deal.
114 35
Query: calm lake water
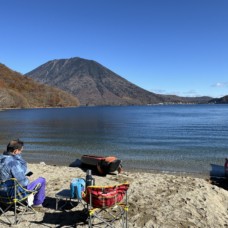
177 138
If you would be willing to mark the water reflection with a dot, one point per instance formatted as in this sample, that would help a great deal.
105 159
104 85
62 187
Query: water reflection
181 138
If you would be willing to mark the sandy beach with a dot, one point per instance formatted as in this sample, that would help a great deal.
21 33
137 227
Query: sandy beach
155 200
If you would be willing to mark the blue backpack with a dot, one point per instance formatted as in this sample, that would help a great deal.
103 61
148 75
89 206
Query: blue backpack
77 186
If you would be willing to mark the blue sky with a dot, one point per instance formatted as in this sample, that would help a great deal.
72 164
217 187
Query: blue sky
164 46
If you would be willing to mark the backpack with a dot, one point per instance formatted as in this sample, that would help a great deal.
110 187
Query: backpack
77 186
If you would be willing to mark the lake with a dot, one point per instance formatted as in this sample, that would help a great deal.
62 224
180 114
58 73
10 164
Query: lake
176 138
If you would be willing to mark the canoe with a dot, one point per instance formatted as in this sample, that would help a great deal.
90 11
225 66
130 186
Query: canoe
103 164
91 159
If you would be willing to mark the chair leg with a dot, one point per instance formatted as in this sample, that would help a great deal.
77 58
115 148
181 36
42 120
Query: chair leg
90 221
95 215
17 218
15 213
126 217
3 214
90 218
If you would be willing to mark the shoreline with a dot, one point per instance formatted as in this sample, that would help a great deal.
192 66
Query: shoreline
135 170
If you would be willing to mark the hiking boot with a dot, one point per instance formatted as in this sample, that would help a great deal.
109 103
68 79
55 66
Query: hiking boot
38 208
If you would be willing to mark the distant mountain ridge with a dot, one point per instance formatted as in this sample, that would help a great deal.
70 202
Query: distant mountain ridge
94 84
19 91
222 100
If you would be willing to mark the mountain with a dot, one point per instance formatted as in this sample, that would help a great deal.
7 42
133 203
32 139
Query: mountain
18 91
222 100
94 84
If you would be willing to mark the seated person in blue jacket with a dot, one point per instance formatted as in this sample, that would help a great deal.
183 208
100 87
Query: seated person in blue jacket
12 165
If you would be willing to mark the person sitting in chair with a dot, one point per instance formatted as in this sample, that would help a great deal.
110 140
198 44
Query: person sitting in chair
12 165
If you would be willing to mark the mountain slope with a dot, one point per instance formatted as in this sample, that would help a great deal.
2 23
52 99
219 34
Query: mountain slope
94 84
18 91
221 100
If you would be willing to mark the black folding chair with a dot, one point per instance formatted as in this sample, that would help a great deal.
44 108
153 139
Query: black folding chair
14 196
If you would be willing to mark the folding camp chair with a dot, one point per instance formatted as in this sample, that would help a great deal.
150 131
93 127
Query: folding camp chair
107 204
13 195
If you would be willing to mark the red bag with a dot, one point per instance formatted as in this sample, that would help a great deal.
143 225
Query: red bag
106 196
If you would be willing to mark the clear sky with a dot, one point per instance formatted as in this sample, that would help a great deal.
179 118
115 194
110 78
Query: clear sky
164 46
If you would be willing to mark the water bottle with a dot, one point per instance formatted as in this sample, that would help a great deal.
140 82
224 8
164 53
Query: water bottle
89 179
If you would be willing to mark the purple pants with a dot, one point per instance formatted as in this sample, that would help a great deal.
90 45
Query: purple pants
40 195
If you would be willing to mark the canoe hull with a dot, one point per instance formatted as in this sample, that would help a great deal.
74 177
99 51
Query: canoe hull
91 159
104 165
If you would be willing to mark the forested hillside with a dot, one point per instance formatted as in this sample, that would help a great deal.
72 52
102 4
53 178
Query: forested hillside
18 91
